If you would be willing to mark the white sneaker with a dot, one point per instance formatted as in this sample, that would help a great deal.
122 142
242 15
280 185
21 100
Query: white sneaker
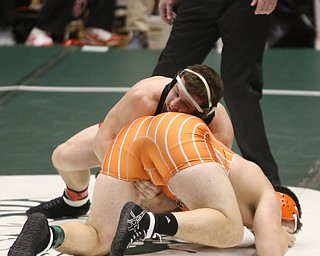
38 37
98 36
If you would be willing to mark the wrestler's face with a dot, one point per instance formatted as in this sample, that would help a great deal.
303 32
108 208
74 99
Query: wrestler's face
290 224
177 101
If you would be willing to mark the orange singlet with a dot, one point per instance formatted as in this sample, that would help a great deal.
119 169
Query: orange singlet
156 147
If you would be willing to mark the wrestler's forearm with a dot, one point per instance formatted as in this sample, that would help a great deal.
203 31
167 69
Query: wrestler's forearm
269 239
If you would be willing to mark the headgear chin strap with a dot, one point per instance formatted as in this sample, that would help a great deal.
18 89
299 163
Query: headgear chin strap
206 111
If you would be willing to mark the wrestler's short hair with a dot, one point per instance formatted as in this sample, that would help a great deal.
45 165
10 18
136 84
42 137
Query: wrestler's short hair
291 208
195 77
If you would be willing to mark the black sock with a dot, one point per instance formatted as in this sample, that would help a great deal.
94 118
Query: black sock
166 224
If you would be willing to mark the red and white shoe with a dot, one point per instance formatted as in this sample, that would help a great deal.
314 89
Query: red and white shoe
38 37
98 36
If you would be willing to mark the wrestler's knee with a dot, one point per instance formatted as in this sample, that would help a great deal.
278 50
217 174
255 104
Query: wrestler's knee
234 231
74 155
231 235
60 156
57 157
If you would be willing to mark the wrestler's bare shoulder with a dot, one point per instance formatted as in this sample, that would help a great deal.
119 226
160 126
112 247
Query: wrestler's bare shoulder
149 88
153 82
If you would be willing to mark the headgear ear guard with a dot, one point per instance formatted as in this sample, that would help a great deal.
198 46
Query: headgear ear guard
203 112
290 206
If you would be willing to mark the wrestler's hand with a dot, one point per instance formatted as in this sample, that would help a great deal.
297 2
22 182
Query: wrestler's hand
264 6
153 199
166 11
147 190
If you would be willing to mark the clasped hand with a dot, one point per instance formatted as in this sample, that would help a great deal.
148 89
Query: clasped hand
146 190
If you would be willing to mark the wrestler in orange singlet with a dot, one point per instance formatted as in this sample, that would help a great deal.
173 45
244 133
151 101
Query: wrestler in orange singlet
141 152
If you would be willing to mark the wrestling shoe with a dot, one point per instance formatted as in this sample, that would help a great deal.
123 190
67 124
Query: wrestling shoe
135 224
58 208
98 36
34 237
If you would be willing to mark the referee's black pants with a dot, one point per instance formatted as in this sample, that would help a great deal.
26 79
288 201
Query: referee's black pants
198 25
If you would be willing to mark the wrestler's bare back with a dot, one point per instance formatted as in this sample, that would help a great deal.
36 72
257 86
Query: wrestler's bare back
141 100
